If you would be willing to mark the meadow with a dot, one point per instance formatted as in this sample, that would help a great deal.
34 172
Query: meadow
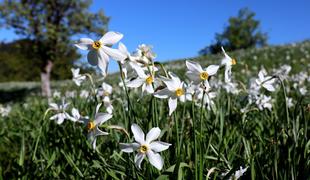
250 124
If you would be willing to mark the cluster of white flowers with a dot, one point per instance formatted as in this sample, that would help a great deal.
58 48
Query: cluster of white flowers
5 110
138 70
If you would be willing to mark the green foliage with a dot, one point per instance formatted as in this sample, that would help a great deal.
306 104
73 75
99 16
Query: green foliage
271 144
241 32
18 57
49 25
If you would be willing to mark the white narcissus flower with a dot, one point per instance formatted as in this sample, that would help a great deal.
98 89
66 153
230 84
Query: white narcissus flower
238 173
61 113
145 54
227 61
263 102
144 80
99 51
5 111
146 146
198 75
92 125
76 116
77 77
104 90
84 94
174 91
265 81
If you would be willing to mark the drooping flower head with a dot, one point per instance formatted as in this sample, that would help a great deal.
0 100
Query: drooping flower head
227 61
92 126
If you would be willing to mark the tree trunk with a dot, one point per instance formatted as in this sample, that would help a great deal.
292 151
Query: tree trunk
45 79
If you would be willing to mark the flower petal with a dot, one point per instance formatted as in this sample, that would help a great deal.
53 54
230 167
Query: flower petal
84 43
138 133
155 159
152 135
212 69
149 88
111 38
172 105
114 53
122 48
158 146
92 57
129 147
193 66
135 83
138 159
164 93
103 61
101 118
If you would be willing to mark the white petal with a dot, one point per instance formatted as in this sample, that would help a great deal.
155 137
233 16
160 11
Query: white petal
61 117
92 57
137 133
269 87
155 159
98 107
84 43
101 118
212 69
114 53
193 66
194 76
227 74
152 135
54 106
138 159
122 48
103 61
149 88
159 146
261 75
98 132
93 142
111 38
176 79
164 93
138 70
172 105
171 84
129 147
135 83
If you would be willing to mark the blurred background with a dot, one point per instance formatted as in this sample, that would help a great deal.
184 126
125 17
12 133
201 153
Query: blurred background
37 36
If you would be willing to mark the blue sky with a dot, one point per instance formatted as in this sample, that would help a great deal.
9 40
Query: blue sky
180 28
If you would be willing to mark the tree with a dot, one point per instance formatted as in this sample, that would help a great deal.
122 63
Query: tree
50 24
242 32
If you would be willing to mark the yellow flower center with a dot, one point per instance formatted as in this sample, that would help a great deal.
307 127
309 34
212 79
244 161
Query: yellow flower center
204 75
233 61
149 80
143 149
179 92
96 45
90 125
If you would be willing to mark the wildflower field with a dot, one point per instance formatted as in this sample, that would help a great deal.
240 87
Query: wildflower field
241 114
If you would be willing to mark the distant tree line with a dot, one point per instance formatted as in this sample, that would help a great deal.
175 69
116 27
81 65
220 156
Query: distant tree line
242 32
19 62
46 28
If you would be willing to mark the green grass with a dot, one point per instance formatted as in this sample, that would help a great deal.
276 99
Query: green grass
272 144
